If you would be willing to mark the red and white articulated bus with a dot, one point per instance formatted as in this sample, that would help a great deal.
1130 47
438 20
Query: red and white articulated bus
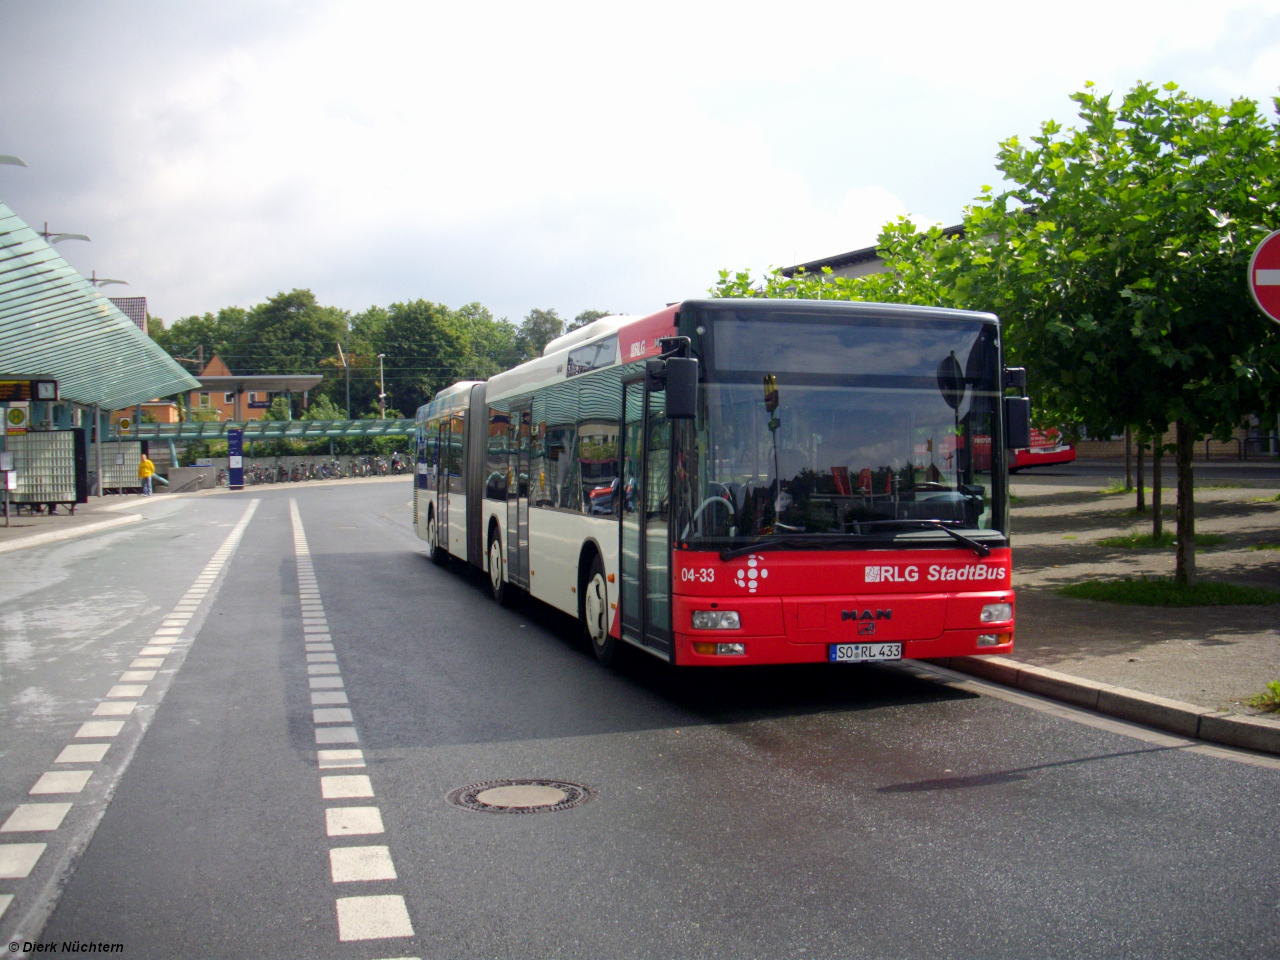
743 481
1046 448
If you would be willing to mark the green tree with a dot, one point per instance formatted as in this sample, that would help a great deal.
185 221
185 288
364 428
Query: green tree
426 350
1118 261
586 317
493 343
290 333
540 327
1122 250
195 336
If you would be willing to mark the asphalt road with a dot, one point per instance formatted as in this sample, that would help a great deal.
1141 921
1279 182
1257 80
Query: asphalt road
763 812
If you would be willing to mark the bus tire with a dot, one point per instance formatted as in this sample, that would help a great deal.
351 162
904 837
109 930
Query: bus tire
593 611
433 541
497 582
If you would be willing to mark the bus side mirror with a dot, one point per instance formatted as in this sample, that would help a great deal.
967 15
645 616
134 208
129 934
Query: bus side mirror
682 388
1017 422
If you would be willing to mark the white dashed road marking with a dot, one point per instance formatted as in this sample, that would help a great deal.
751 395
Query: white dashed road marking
17 860
359 918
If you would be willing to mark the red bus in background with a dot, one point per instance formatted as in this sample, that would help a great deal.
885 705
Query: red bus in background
743 481
1046 448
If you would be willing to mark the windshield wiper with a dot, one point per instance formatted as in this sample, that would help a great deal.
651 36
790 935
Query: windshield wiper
981 549
764 545
811 541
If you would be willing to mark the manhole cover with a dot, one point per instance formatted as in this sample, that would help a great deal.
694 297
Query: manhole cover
521 796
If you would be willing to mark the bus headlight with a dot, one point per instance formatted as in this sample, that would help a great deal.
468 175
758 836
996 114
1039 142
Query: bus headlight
996 612
716 620
992 639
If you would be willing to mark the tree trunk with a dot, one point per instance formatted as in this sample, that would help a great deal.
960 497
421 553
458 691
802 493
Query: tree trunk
1185 572
1128 458
1141 504
1157 517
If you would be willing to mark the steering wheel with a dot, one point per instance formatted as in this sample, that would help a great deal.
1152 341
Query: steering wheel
702 506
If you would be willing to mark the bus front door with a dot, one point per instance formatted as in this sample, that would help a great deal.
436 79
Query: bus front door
628 496
442 485
518 498
644 492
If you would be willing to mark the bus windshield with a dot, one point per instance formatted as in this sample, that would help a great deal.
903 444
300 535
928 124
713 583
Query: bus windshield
849 426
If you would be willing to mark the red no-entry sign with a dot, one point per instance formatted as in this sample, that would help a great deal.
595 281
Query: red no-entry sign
1264 276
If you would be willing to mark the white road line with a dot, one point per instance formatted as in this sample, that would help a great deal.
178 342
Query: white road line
348 821
372 918
359 918
963 681
61 781
100 728
336 735
82 753
119 708
18 859
127 690
337 759
361 864
138 676
37 818
5 900
345 787
331 715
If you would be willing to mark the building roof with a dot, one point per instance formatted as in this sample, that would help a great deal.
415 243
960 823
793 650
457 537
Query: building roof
53 320
853 257
266 382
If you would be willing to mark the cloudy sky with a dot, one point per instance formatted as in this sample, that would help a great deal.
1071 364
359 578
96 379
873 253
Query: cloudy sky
609 156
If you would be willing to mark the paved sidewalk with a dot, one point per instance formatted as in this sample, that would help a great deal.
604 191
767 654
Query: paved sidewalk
1215 657
97 514
103 513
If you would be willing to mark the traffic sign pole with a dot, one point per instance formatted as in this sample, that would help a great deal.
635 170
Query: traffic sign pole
1264 276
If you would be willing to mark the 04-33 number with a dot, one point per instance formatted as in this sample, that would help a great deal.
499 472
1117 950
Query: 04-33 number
701 575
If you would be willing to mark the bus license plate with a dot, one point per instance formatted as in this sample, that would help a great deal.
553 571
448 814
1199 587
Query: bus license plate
862 652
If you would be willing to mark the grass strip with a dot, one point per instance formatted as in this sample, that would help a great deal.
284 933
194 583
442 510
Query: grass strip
1265 546
1269 699
1146 541
1163 592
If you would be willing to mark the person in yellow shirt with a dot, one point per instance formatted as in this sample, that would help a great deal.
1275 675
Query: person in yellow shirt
145 470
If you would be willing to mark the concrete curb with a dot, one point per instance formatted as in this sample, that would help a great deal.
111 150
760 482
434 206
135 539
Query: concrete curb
53 536
1184 719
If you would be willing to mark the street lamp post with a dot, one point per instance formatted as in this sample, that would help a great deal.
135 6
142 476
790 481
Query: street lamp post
382 390
347 367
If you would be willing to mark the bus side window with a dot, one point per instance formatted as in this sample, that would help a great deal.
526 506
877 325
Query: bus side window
495 487
560 465
458 429
598 466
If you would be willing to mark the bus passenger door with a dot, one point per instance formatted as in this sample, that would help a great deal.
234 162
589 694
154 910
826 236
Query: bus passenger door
518 497
442 485
628 497
657 517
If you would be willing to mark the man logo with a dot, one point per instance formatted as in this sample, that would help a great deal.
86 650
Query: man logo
869 627
866 615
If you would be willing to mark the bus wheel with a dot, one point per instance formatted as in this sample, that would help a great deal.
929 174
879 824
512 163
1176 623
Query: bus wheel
497 584
595 612
433 541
